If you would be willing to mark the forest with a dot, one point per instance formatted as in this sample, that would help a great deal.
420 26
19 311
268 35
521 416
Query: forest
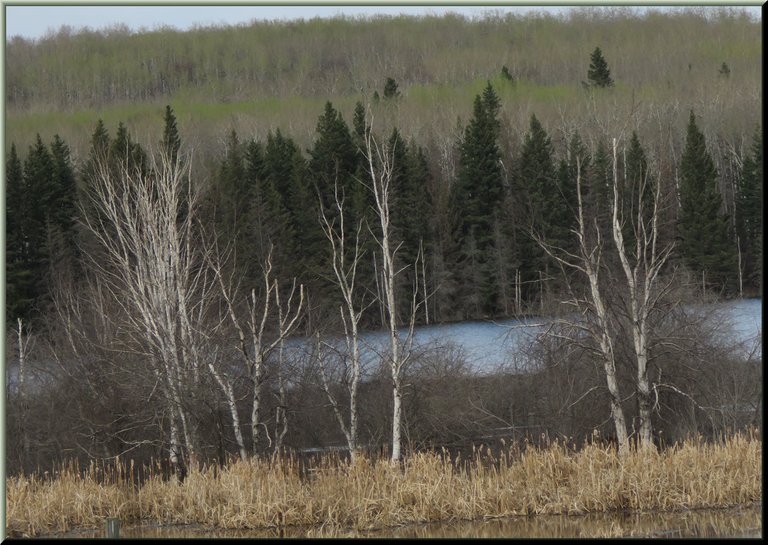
182 206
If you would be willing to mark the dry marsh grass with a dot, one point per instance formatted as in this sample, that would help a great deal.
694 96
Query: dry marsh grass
374 494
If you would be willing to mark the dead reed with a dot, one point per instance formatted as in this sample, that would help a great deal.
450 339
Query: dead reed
373 494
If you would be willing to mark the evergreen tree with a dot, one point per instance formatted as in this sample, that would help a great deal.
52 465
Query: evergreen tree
704 241
390 89
171 142
358 121
19 289
538 184
233 194
598 74
476 200
63 211
638 185
600 188
565 202
749 213
334 157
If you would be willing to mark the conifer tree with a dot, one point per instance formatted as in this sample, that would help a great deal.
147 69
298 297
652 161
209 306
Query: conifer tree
171 142
476 200
63 211
539 186
598 74
749 212
390 89
637 185
704 241
19 291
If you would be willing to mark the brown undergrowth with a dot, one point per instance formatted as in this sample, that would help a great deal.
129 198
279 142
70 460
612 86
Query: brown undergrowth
370 494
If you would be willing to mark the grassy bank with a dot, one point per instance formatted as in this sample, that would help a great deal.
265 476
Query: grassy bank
429 487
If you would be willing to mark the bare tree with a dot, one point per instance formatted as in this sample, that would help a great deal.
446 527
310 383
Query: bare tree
345 265
380 167
143 223
644 287
253 344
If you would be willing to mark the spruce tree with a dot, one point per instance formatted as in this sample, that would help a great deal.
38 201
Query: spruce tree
705 243
637 190
476 200
171 142
390 89
538 185
63 211
598 74
19 292
749 213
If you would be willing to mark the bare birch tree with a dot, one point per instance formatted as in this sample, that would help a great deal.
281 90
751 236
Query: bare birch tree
345 263
643 284
380 160
144 225
253 344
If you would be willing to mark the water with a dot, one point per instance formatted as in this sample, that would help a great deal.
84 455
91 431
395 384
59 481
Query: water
733 522
488 345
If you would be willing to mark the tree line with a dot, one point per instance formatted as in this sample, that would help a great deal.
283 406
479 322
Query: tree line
473 233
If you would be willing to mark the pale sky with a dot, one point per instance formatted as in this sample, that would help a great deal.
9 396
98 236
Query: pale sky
34 21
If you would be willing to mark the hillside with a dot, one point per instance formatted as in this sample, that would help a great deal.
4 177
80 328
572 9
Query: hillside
279 74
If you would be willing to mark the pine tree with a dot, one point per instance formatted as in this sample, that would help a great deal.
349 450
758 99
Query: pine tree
171 142
390 89
19 291
749 213
476 200
638 185
598 74
538 185
358 120
63 211
577 161
705 243
334 156
600 184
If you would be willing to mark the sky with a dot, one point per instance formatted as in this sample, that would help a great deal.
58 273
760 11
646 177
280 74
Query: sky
34 21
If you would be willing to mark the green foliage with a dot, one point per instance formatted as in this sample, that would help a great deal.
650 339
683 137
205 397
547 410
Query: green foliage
477 198
749 213
598 74
390 89
538 185
705 243
171 142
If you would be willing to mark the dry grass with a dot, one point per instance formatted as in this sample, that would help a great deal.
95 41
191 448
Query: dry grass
428 487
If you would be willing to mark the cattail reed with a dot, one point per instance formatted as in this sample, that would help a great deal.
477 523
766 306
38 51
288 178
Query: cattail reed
281 491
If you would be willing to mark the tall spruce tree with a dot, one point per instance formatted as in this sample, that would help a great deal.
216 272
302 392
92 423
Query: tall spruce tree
705 244
19 288
476 200
538 184
749 213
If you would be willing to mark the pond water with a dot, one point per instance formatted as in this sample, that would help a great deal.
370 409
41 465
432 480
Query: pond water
731 522
489 344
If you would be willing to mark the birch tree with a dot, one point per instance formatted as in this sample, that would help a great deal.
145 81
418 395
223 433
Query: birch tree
380 159
606 319
345 261
644 287
151 266
253 343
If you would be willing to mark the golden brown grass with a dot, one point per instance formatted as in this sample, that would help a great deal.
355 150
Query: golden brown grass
428 487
